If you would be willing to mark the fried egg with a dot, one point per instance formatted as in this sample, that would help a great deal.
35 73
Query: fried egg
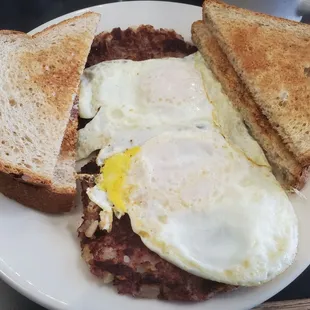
180 162
138 100
203 206
133 101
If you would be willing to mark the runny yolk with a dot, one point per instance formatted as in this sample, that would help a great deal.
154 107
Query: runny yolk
113 174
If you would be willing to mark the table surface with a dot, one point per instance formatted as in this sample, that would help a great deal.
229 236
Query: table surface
25 15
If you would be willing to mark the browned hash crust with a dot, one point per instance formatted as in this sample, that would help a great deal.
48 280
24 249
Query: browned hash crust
137 271
138 44
120 256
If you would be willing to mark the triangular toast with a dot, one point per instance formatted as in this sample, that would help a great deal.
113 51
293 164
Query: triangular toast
271 57
39 79
288 170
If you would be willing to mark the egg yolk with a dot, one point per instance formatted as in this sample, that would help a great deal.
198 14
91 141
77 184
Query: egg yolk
113 175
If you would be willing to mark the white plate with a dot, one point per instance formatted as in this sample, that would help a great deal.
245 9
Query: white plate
40 255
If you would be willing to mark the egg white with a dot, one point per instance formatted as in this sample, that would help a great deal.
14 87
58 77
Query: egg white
199 192
132 102
206 208
137 101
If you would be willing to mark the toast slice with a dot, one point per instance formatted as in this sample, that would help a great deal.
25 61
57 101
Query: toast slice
271 56
39 80
58 197
285 166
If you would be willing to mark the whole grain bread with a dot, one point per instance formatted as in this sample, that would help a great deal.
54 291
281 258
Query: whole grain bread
39 79
60 195
285 166
271 56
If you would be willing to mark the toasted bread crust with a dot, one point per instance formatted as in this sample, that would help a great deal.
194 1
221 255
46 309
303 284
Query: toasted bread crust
64 22
25 173
224 5
285 165
277 77
59 196
45 199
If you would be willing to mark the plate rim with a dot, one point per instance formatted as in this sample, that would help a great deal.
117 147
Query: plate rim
46 301
90 8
